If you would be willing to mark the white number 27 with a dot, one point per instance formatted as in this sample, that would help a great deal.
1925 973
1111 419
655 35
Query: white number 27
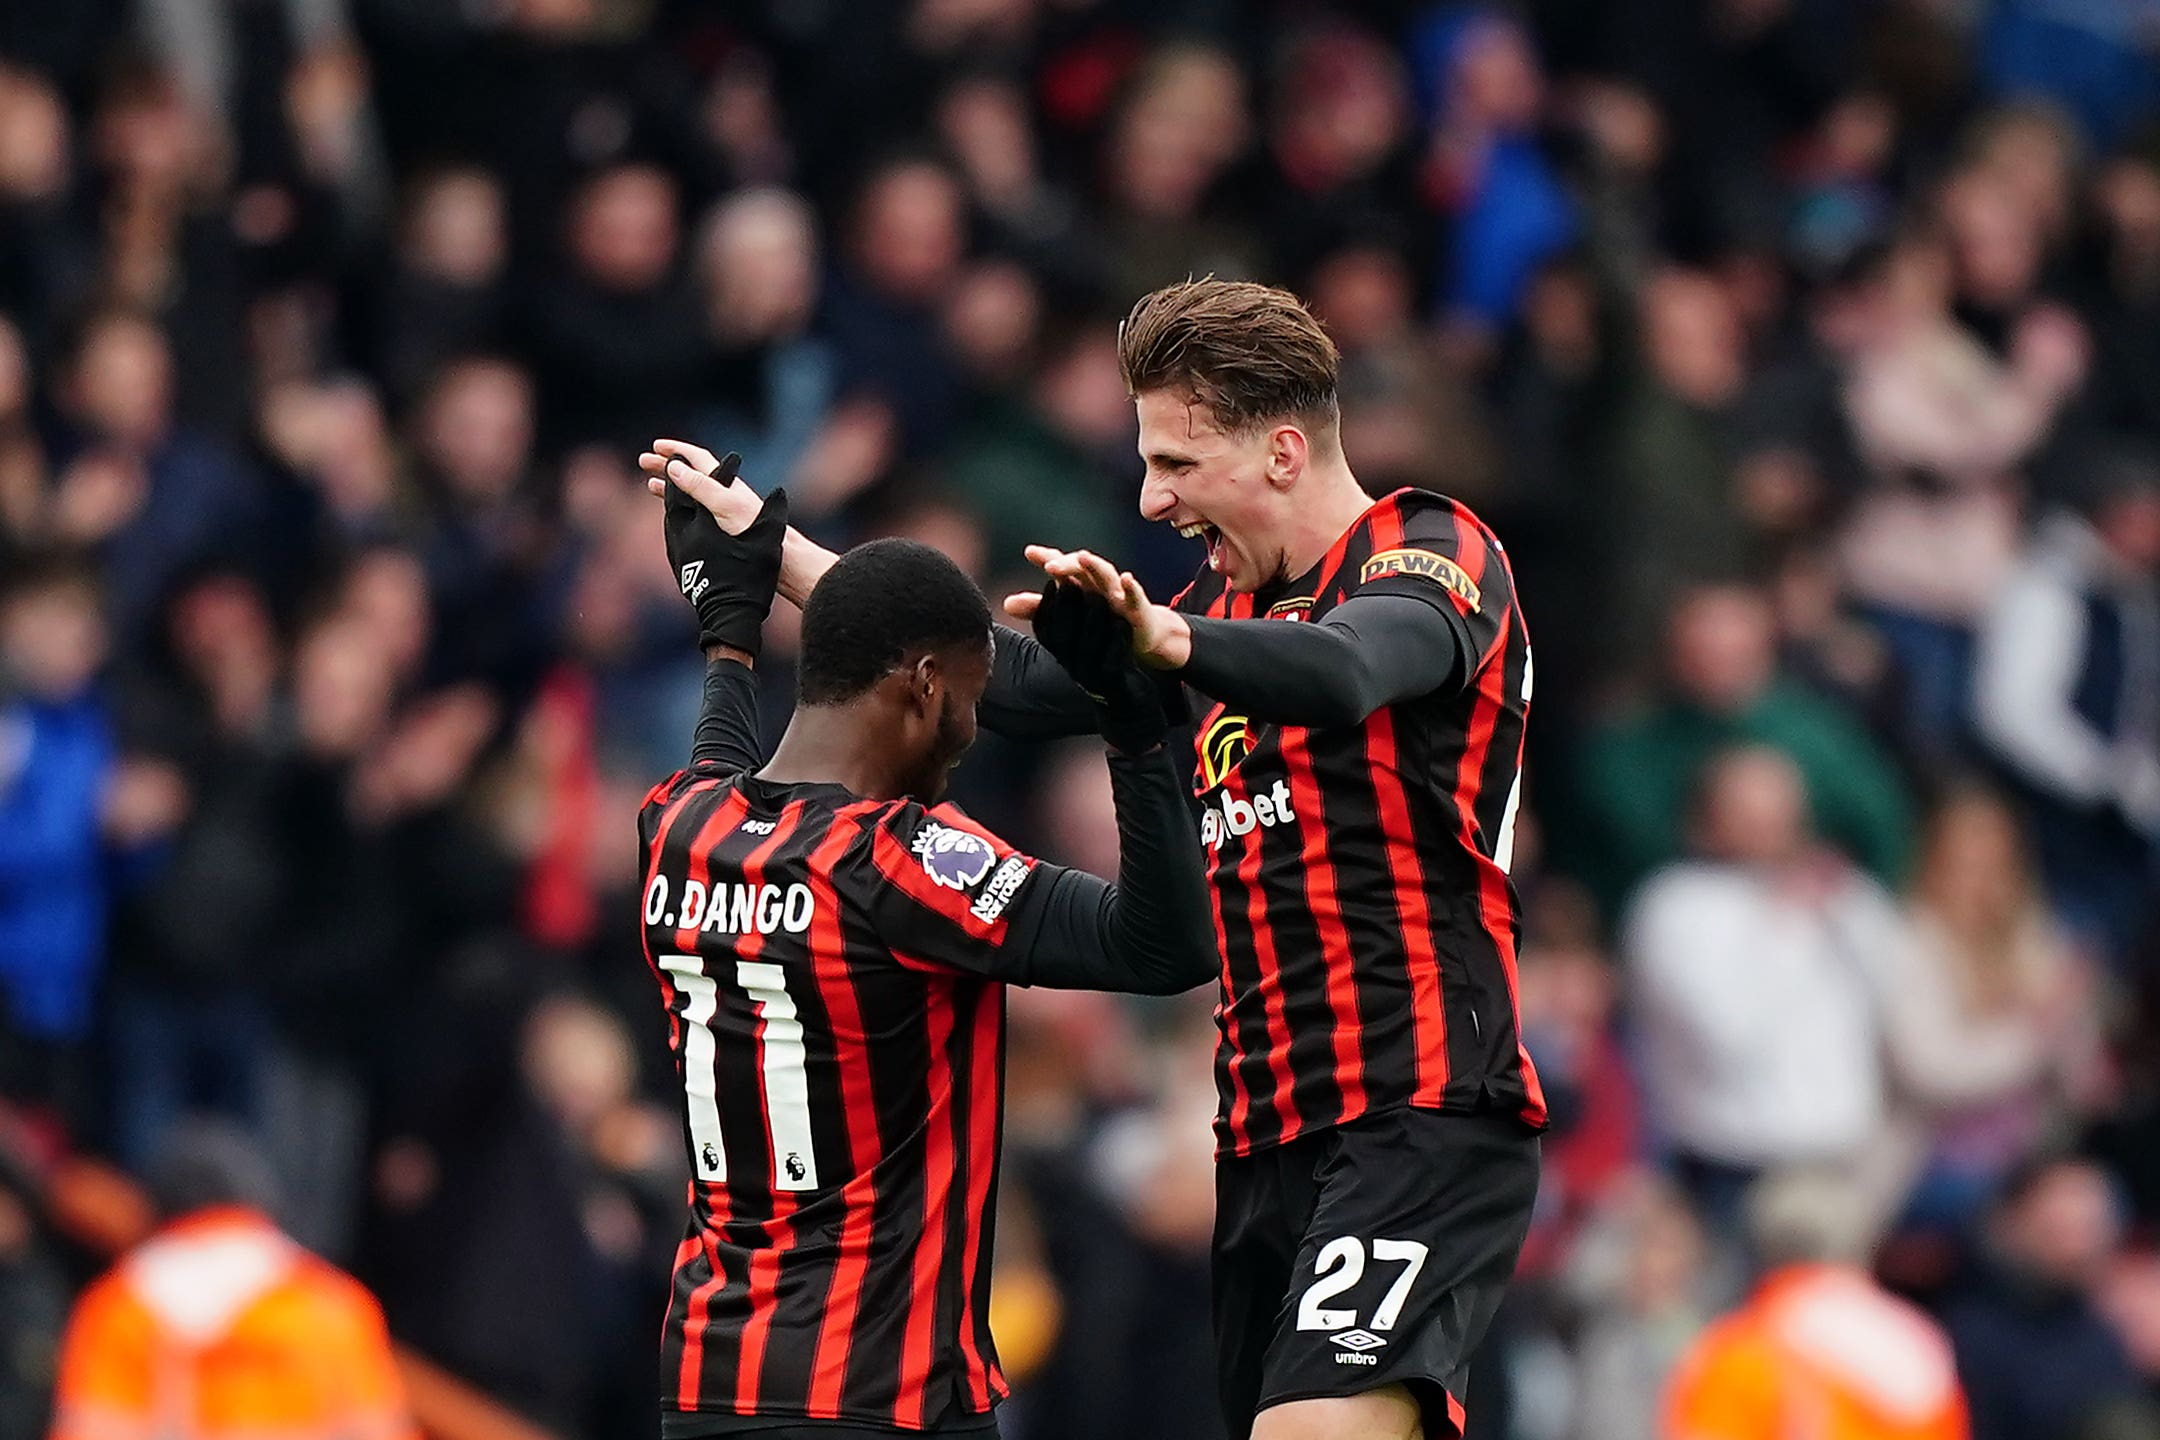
1341 1264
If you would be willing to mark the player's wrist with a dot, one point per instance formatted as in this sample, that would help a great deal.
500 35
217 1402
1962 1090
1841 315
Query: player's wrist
1171 646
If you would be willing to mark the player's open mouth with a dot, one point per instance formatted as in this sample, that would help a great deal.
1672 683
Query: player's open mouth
1201 530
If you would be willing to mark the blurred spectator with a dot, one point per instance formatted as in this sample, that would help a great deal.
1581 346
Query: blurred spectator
146 495
2123 298
218 1325
993 322
2094 60
475 1177
1671 517
345 484
300 54
1130 1224
186 1002
1483 92
1818 1347
1569 995
40 263
1943 423
616 343
1723 688
1642 1278
2038 1360
758 272
58 775
1751 977
1339 134
1407 418
1989 1017
907 239
443 291
987 127
627 1178
2069 699
1043 466
490 554
1183 123
1845 196
169 251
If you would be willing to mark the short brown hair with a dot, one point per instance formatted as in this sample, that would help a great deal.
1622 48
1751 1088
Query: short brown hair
1249 353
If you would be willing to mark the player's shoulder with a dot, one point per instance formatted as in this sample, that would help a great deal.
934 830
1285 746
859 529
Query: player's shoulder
1413 513
699 778
945 859
1417 538
944 841
683 788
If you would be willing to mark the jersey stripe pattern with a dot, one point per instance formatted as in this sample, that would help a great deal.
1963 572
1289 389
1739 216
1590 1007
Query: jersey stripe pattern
1367 925
830 972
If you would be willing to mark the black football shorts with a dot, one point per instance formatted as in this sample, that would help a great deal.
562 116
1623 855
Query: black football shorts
1367 1255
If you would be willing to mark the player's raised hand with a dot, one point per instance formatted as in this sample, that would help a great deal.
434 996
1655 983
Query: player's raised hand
1161 638
729 579
692 470
1092 643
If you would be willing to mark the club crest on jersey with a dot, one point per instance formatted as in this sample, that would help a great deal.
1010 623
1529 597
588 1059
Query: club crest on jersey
1227 740
1422 565
954 858
1297 607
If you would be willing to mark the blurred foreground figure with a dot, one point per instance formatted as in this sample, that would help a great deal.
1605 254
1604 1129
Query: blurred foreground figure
220 1326
1819 1349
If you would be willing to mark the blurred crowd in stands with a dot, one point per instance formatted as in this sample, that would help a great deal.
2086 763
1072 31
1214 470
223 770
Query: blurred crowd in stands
1804 353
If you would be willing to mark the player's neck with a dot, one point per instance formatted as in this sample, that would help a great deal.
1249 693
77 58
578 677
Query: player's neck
833 745
1326 504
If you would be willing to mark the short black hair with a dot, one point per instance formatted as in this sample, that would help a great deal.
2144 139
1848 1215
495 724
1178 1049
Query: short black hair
880 601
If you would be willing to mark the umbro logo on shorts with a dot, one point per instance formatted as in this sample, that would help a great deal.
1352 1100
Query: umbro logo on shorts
1357 1344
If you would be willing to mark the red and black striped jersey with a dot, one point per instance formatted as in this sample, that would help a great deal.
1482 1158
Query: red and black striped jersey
830 968
1363 910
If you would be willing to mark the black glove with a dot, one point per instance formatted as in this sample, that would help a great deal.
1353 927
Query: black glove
729 579
1093 644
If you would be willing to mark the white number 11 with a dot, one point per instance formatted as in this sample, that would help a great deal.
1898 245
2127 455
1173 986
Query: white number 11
782 1060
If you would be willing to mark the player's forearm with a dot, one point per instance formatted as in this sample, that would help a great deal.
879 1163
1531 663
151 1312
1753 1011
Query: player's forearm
727 727
1029 697
1370 652
1153 933
803 562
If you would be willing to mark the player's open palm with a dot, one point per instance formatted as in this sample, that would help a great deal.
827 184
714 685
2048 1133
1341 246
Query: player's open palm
1161 638
696 472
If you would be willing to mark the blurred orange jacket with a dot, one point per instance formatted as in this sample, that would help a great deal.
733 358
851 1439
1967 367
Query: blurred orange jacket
1818 1352
220 1328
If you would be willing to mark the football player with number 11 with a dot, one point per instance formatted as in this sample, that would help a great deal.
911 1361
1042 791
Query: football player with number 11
833 946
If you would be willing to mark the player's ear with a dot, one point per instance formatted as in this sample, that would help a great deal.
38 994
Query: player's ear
926 684
1288 449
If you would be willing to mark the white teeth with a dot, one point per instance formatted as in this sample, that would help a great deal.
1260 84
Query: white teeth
1192 532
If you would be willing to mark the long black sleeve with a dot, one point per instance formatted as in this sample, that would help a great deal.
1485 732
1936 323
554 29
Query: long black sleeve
1153 932
727 727
1370 651
1029 697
